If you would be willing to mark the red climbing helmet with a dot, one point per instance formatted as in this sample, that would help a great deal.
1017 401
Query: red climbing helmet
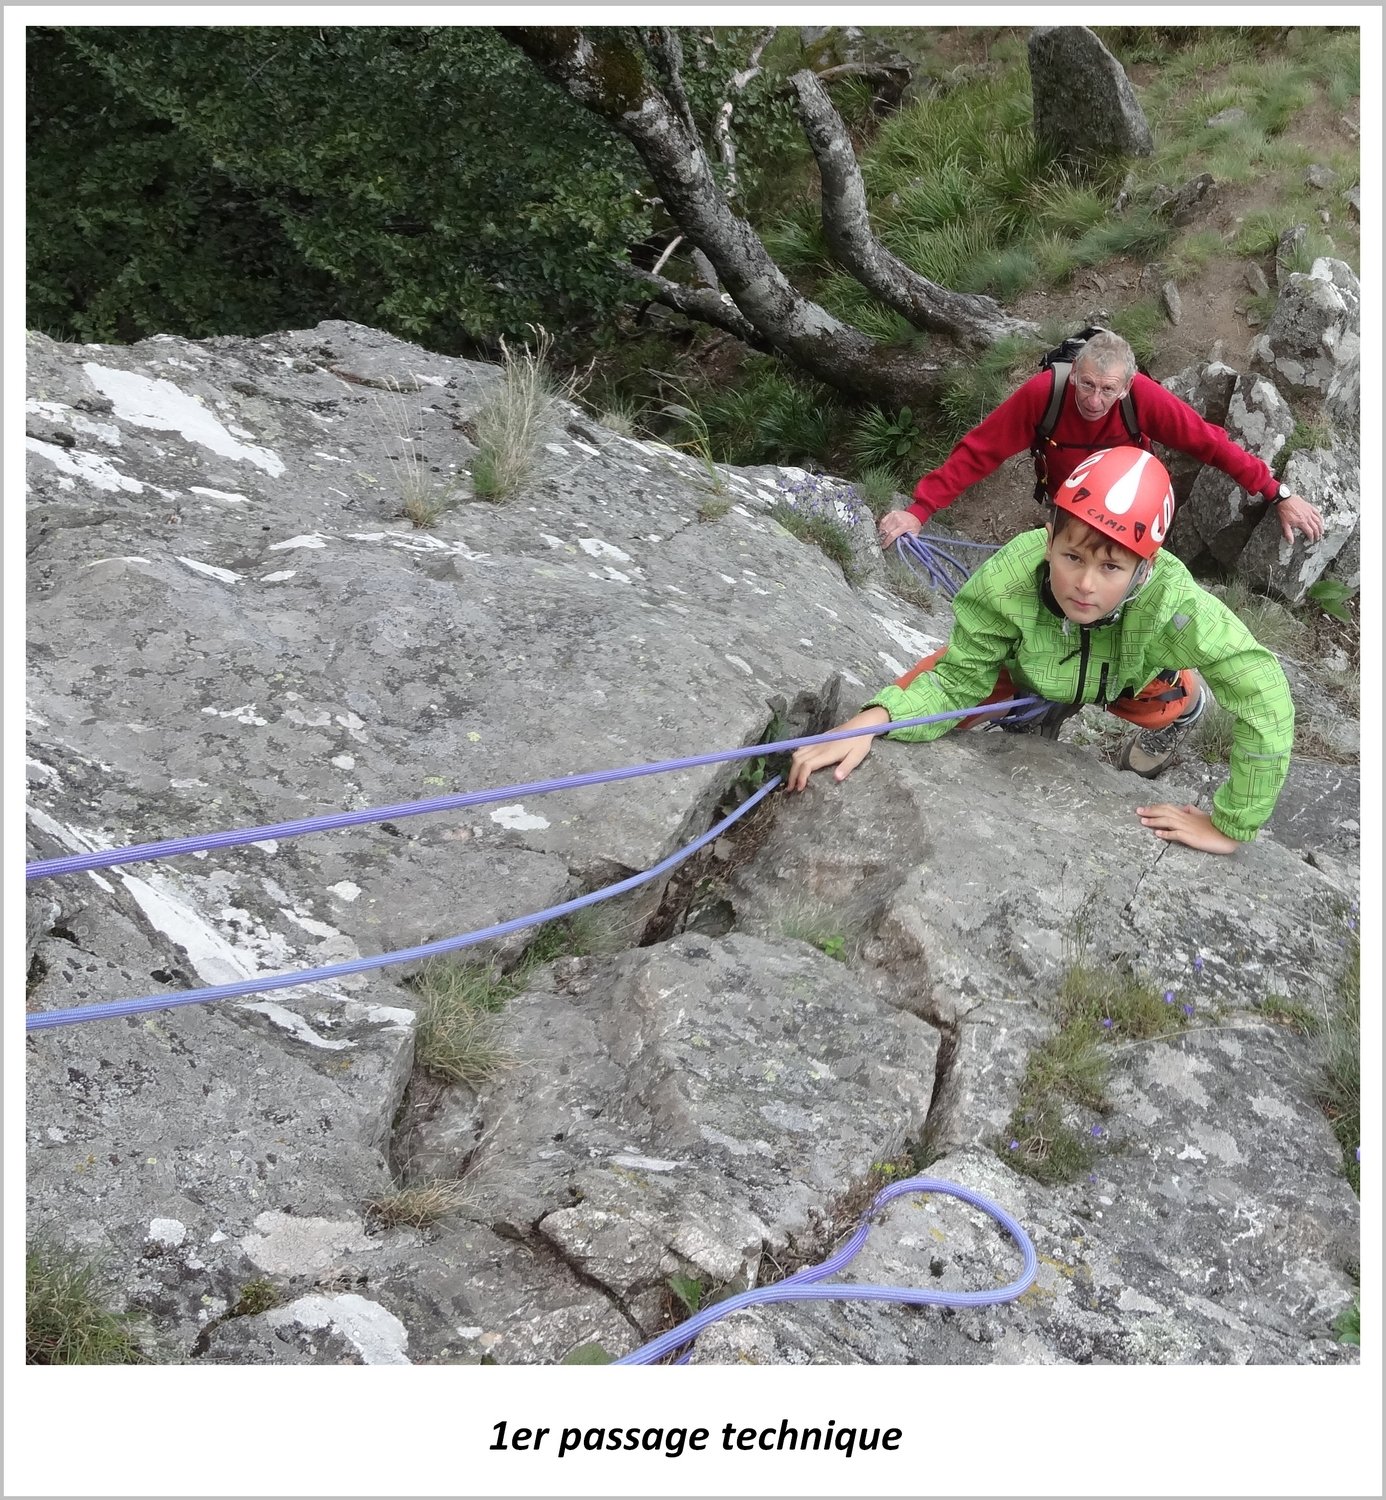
1124 493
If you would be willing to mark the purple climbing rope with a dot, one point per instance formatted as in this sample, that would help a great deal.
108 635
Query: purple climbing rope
44 1020
804 1285
71 864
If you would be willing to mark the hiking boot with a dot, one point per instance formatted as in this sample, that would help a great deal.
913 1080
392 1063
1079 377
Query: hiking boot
1151 750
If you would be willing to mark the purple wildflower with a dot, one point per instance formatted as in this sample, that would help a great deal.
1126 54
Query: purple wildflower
1169 997
1014 1145
1188 1009
1097 1130
1106 1023
1198 964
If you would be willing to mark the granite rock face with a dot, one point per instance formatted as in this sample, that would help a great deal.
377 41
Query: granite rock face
231 625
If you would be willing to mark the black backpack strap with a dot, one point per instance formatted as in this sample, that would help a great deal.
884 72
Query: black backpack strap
1128 415
1060 370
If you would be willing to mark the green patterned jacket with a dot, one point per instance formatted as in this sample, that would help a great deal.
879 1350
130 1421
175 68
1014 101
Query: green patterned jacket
1004 617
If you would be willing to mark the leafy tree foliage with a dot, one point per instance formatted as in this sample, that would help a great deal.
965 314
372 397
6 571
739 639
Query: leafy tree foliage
131 230
233 179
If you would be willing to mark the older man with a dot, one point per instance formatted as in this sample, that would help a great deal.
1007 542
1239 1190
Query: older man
1089 419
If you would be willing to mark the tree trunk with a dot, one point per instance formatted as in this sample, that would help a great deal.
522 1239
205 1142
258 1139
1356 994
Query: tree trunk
605 71
973 320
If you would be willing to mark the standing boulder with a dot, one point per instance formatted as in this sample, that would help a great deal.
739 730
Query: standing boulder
1329 476
1084 106
1314 331
1208 389
1260 420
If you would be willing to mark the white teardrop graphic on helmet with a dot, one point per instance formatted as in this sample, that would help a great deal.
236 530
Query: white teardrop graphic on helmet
1080 470
1122 494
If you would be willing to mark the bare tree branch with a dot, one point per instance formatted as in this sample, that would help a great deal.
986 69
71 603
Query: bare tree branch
847 228
705 305
721 131
863 70
665 254
605 71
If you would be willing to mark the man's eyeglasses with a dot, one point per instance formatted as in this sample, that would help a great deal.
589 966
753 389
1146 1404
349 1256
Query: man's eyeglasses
1092 388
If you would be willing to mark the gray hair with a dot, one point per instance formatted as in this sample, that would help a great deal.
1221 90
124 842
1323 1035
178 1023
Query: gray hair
1105 350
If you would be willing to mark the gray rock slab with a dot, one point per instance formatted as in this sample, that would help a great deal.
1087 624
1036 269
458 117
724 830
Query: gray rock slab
231 625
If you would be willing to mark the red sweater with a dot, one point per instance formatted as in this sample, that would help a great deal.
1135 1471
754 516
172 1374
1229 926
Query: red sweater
1010 429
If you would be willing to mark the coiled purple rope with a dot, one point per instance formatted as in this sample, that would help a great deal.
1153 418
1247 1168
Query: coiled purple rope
930 559
71 864
803 1286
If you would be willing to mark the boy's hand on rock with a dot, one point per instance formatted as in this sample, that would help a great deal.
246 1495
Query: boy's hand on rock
845 754
1186 825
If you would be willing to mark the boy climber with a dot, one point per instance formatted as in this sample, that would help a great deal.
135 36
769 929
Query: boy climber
1090 610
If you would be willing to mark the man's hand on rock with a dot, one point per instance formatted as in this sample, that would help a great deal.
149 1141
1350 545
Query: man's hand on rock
1296 514
895 524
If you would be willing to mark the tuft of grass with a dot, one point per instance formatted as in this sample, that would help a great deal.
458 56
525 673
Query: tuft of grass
714 509
457 1036
819 531
1339 1059
1090 995
65 1320
877 484
585 932
1189 255
822 930
1094 1006
420 1205
1274 626
460 1001
1259 234
1307 434
906 584
689 418
510 420
1287 1012
1139 324
424 495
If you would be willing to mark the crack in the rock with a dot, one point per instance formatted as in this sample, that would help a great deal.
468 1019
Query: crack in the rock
538 1241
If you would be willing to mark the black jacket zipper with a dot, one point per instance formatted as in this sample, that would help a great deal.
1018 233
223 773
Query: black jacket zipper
1082 664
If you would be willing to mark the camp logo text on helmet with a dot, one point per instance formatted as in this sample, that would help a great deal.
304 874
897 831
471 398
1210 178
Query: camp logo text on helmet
1125 493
